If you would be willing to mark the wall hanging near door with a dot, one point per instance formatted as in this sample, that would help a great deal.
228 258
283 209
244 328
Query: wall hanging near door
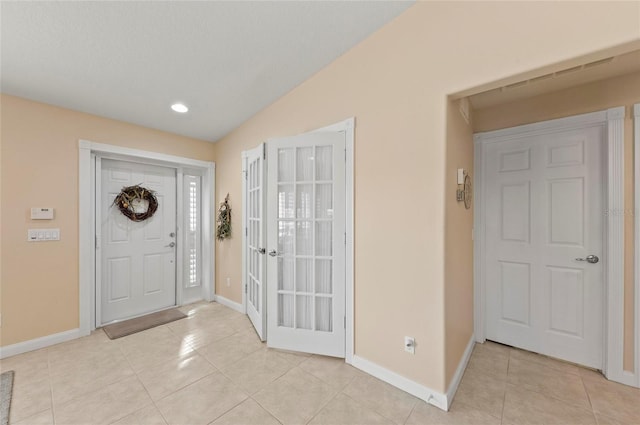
132 199
224 220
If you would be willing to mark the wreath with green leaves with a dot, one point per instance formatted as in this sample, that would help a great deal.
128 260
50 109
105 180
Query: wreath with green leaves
130 197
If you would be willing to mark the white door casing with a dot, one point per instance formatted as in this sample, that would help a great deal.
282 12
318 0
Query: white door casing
138 270
255 238
306 243
543 210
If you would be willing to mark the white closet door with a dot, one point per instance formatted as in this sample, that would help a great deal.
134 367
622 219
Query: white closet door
305 234
254 238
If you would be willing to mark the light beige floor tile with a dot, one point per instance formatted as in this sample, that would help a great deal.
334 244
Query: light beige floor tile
76 380
104 406
199 332
459 414
343 410
295 397
201 402
490 359
293 357
605 420
549 362
200 306
617 401
525 407
483 392
385 399
42 418
231 349
257 370
169 377
331 370
32 366
152 347
246 413
85 348
29 397
552 382
587 373
149 415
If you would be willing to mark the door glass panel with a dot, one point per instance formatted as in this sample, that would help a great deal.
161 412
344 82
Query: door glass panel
304 203
285 310
323 238
304 306
285 201
324 314
323 276
285 237
304 164
304 241
285 274
324 200
324 162
304 275
286 164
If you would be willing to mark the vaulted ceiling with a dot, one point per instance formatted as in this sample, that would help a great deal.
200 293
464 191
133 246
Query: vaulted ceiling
131 60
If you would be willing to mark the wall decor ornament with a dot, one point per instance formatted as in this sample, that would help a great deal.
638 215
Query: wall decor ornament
131 198
224 220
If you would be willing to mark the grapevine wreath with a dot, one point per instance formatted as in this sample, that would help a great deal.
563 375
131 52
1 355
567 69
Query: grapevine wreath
130 194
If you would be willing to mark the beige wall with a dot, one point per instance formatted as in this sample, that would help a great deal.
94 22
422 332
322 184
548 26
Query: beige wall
619 91
458 245
40 168
396 84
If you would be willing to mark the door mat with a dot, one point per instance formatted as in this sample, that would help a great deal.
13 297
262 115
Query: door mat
131 326
6 389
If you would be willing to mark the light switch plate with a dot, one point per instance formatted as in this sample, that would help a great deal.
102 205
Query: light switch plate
41 235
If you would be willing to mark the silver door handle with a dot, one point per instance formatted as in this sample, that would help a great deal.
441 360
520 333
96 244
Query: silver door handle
262 250
171 245
273 253
589 259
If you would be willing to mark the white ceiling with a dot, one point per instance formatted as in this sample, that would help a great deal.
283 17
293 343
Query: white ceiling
131 60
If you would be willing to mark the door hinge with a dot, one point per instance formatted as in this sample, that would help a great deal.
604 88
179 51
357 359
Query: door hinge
345 155
97 242
246 174
246 231
345 322
245 288
264 151
345 238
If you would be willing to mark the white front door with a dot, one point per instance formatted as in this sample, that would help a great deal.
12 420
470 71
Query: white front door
254 170
137 259
306 243
544 213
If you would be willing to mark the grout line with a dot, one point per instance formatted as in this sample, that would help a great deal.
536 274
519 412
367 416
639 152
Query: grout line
506 385
411 412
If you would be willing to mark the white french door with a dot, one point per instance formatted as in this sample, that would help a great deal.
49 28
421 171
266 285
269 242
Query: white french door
306 243
137 259
254 246
544 231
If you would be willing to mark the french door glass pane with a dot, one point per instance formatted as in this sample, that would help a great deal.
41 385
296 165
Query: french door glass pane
285 310
304 164
285 237
324 200
304 238
286 164
286 201
324 314
324 238
323 276
324 163
304 306
304 275
304 202
285 274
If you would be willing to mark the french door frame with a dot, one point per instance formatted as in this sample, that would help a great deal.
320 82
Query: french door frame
88 182
348 127
612 122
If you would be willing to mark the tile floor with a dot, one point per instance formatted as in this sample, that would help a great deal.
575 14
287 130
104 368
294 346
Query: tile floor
211 369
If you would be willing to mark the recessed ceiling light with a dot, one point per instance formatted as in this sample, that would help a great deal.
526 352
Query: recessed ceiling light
179 107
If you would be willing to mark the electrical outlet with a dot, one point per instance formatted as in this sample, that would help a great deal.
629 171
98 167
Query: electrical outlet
228 281
410 344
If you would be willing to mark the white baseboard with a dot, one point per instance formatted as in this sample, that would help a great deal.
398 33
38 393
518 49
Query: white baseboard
435 398
228 303
455 381
36 344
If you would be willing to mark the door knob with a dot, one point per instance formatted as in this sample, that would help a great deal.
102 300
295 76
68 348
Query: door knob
589 259
262 250
273 253
172 234
171 245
